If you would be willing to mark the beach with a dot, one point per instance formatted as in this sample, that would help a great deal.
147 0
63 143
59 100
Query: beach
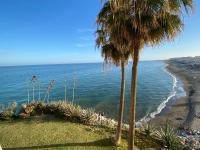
183 112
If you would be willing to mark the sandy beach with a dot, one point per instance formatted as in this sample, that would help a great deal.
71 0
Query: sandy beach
183 112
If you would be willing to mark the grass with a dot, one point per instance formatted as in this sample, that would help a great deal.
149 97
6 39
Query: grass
50 126
53 134
49 133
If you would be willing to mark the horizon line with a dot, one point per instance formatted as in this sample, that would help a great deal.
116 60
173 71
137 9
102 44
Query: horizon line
72 63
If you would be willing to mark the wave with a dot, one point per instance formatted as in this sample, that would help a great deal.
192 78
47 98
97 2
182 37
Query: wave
152 115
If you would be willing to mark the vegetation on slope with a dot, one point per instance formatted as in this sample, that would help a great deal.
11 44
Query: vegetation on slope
51 133
62 125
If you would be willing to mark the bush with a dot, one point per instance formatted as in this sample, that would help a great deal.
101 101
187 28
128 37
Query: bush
8 113
33 109
26 109
38 109
88 116
61 109
50 108
148 130
74 113
169 139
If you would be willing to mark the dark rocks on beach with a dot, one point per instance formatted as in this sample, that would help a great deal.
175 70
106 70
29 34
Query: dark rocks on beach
188 69
190 138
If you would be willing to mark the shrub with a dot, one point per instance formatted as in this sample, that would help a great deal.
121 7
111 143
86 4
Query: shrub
76 113
88 116
51 108
169 139
60 109
38 109
9 112
148 130
26 108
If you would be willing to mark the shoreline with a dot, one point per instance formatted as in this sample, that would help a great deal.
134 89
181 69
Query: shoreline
163 105
182 114
177 112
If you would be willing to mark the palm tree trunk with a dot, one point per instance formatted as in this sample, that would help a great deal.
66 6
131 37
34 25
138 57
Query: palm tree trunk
121 106
133 101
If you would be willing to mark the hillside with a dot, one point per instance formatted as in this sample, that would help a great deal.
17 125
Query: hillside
53 134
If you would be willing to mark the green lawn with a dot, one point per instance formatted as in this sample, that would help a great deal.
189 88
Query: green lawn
54 134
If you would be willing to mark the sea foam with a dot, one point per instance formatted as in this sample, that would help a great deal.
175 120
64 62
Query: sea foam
152 115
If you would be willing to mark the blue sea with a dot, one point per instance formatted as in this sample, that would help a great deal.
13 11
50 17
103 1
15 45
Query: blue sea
96 86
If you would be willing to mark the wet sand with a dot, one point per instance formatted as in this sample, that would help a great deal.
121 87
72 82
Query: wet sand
183 112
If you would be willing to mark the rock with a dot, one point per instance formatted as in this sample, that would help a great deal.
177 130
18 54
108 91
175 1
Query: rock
190 138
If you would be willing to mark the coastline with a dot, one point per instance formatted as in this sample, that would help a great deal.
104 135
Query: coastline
177 112
182 112
162 106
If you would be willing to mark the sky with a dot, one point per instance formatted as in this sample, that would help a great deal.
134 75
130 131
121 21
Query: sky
36 32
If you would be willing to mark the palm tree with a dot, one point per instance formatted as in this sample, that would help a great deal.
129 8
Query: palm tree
111 55
141 23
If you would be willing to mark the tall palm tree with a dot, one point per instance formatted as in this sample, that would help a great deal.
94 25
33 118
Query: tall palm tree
141 23
118 58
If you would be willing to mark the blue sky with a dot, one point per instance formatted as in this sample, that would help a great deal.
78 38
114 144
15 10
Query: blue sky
62 31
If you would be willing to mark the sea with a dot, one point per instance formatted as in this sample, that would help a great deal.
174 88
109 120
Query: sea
92 85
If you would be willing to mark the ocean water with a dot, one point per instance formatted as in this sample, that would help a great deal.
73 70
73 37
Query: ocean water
96 86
